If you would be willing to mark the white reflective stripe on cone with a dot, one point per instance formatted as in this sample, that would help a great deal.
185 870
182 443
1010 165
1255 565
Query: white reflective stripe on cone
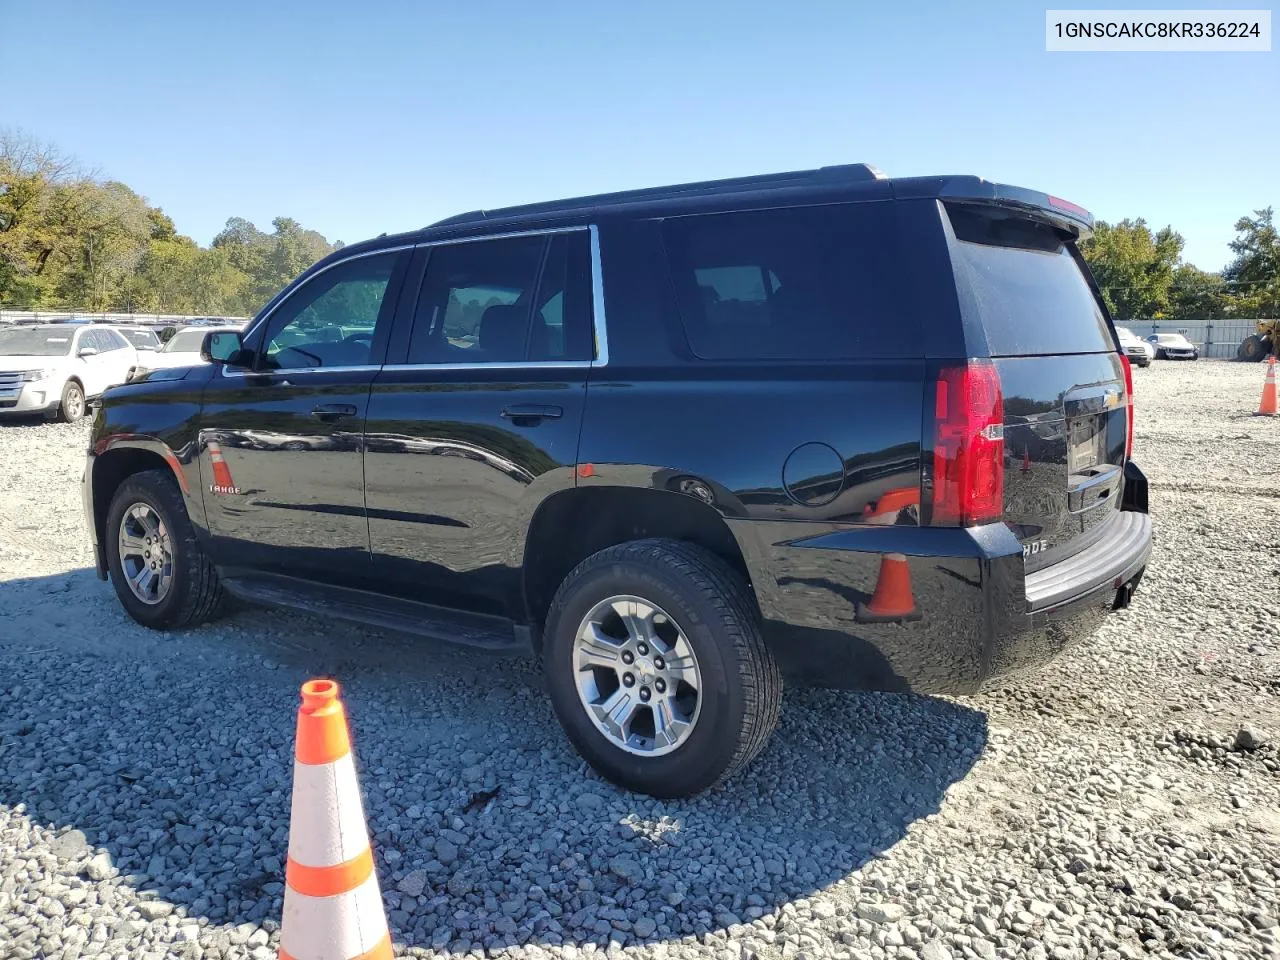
326 824
333 928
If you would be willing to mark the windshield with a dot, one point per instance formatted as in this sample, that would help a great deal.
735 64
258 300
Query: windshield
35 343
1124 333
141 338
1171 338
188 341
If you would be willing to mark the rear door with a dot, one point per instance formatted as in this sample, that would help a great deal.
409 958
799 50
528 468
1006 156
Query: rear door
474 419
119 356
1027 302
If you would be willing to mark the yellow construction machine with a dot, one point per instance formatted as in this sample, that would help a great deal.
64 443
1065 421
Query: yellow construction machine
1257 346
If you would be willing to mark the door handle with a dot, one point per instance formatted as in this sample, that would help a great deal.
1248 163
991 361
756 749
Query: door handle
531 413
334 411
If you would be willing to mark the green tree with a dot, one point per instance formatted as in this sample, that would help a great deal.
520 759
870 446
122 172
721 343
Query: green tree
1134 267
1255 272
1197 295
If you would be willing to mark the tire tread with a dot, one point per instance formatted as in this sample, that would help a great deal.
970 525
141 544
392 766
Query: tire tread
721 587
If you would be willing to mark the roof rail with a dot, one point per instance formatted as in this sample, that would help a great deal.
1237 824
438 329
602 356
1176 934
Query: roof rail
848 172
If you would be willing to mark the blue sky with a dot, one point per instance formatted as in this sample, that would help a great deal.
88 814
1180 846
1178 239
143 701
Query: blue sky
356 118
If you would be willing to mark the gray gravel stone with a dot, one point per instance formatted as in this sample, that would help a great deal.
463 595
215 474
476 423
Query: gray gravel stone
1100 807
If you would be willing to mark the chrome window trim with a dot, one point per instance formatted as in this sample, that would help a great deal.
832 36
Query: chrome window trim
283 371
599 327
495 365
475 238
597 303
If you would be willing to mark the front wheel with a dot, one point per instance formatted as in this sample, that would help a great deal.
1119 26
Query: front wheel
657 667
159 569
71 407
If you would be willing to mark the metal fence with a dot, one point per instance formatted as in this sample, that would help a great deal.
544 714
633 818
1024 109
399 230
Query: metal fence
138 319
1215 338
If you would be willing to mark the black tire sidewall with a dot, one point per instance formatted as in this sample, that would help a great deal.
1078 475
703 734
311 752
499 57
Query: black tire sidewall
711 746
161 495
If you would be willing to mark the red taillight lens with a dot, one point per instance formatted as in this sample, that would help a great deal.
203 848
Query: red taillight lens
968 445
1128 392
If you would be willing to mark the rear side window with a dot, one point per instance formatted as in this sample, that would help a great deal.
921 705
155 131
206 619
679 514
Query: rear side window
1019 282
507 300
801 283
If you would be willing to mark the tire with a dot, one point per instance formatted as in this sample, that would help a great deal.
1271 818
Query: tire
1252 349
739 685
72 405
193 594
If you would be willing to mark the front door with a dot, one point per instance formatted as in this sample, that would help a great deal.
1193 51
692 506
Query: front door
280 435
475 418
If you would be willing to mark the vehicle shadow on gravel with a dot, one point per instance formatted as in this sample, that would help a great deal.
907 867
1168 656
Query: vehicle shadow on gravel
174 753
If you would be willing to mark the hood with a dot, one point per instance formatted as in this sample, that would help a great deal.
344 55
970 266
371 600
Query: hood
31 363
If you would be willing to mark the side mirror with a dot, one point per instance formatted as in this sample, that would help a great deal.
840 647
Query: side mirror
221 346
87 352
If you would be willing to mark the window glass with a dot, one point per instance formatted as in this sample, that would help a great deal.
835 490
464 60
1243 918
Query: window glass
329 321
34 342
185 341
796 283
111 340
1018 280
476 301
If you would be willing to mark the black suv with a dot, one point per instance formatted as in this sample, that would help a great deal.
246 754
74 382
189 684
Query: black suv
676 442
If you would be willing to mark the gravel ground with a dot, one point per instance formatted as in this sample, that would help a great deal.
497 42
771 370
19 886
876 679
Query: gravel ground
1123 802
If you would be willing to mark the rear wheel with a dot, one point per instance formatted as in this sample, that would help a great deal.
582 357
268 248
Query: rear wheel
159 569
1253 349
71 407
657 667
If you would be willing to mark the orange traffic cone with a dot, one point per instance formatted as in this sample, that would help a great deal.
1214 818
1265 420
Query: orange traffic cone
892 599
1267 408
332 904
1026 460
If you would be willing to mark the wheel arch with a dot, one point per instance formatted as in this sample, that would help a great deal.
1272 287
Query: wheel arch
114 460
572 525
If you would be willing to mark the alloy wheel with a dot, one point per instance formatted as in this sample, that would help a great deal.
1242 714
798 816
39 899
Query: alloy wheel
146 553
637 676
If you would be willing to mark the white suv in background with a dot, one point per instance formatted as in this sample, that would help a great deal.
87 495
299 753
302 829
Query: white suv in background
1137 350
55 368
181 350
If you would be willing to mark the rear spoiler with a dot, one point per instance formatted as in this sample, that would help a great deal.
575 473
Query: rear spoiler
1063 214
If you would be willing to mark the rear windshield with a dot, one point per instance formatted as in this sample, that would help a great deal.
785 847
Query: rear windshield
1017 280
799 283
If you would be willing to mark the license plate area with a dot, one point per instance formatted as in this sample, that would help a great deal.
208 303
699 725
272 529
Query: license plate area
1084 444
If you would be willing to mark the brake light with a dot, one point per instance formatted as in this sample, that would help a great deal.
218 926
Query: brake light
1128 394
1068 206
968 445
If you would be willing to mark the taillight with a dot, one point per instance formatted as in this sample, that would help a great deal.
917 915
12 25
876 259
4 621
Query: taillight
968 445
1128 392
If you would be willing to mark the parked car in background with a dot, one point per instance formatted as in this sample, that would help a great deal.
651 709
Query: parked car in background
1135 348
55 368
141 337
1173 346
181 350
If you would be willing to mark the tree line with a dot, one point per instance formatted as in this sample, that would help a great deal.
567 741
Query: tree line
1143 277
69 240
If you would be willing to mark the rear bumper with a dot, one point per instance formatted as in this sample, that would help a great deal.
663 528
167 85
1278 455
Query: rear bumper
969 611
